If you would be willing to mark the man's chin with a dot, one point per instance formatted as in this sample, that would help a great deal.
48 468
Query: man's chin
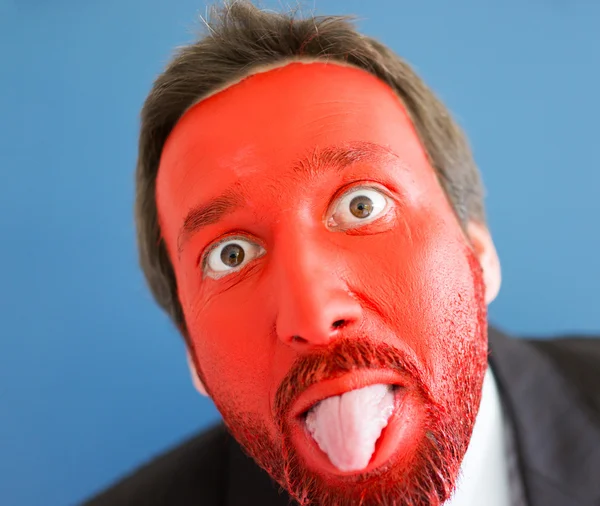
406 470
416 462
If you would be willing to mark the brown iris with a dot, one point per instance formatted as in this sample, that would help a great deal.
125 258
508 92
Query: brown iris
361 206
232 255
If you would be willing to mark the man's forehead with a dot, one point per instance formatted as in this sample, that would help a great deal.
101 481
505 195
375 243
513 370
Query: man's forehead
263 127
272 97
265 110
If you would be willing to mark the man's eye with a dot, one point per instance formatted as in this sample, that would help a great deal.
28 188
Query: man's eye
357 207
230 256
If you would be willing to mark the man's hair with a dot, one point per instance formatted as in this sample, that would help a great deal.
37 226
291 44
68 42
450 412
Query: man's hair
241 38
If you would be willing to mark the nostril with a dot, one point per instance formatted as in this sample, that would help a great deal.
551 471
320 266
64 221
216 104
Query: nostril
338 324
298 339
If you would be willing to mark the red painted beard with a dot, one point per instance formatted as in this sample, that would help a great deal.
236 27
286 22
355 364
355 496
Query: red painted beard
426 474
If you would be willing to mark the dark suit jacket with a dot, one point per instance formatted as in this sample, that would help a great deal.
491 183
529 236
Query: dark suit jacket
549 388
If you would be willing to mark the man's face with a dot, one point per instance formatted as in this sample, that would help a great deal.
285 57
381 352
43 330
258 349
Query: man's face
315 255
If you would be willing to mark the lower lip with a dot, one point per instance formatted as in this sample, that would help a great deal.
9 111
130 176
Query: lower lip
397 439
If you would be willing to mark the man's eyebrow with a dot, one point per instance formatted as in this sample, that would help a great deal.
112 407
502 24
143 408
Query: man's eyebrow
208 214
341 157
321 159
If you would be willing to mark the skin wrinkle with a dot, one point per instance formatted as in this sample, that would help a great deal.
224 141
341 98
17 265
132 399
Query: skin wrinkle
394 281
318 125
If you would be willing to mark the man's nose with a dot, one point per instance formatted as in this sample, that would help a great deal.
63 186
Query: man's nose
314 302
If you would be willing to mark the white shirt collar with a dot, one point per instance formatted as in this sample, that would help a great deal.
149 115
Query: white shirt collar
484 477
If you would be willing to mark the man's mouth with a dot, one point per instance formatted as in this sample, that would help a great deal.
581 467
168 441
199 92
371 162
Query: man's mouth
353 423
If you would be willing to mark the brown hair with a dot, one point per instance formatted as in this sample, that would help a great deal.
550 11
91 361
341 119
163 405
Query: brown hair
240 38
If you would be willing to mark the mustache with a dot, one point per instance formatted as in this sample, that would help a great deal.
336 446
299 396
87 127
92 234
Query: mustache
344 356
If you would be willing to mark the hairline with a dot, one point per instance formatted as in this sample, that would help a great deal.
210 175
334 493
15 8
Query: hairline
264 68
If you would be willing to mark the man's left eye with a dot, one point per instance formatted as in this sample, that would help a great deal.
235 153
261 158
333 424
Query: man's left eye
358 206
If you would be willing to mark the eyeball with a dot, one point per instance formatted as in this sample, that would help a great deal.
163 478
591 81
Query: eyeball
230 256
359 206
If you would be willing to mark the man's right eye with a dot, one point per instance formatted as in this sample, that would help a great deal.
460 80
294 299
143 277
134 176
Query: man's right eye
229 256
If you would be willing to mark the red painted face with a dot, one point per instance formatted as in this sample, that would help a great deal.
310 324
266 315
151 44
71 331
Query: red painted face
316 253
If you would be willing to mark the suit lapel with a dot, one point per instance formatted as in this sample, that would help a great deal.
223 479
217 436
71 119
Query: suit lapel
248 484
556 440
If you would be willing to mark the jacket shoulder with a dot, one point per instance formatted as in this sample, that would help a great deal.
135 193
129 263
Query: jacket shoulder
578 360
191 473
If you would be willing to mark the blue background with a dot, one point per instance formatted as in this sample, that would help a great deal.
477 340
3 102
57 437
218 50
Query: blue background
92 375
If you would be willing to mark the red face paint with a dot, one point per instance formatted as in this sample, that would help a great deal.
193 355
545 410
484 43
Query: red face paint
315 252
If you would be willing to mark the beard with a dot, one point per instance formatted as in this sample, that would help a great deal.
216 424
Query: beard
427 475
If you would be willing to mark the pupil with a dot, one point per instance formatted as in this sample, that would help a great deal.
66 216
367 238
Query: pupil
361 206
232 255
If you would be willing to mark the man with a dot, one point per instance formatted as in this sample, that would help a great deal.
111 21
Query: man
311 218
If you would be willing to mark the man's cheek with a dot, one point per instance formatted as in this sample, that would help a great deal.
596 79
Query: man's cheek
390 278
422 288
449 315
232 354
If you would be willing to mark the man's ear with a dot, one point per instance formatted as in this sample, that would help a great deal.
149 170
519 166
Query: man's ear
195 378
484 248
198 385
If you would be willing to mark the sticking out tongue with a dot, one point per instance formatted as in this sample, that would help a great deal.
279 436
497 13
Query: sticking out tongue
346 427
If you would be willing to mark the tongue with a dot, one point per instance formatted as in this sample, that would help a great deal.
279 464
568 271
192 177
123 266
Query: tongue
346 427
